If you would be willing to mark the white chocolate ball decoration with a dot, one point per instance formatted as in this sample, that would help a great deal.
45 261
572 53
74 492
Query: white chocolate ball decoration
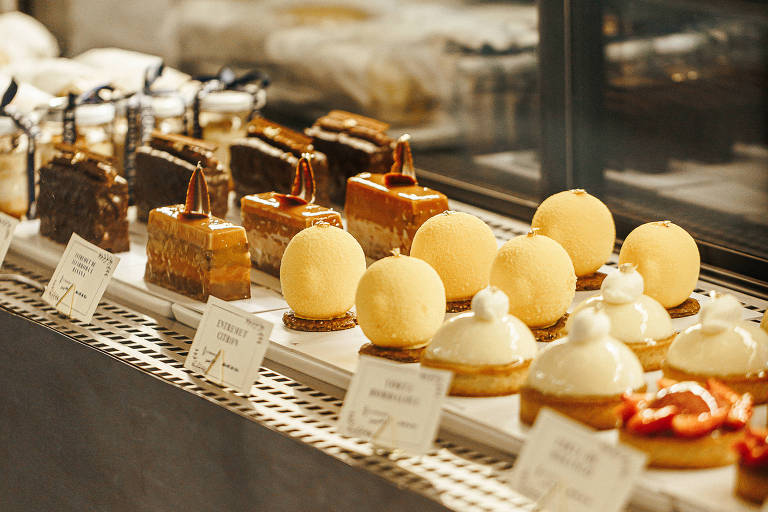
582 224
400 302
461 248
320 270
537 275
668 259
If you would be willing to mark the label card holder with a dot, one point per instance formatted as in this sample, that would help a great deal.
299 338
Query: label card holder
566 465
7 226
229 345
393 405
80 279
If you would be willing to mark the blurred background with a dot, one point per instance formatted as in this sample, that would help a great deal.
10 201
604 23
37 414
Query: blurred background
658 107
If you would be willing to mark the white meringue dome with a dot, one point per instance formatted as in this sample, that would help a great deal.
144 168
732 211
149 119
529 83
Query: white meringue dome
587 362
722 344
635 317
487 335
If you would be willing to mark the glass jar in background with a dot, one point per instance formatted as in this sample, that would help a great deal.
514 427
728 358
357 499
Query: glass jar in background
13 168
223 118
169 114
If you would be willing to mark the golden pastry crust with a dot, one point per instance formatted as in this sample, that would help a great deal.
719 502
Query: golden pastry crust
457 306
590 281
483 380
400 355
709 451
752 483
652 355
551 333
756 385
291 321
688 307
595 411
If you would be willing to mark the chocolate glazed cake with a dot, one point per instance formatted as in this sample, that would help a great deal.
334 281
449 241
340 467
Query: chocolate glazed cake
353 144
267 158
164 168
81 192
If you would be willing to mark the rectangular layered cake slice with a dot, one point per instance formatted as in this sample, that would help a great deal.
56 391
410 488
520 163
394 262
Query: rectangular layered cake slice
81 192
267 158
164 167
197 257
271 220
352 143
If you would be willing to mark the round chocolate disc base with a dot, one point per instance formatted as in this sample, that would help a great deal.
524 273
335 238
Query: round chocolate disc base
689 307
552 332
457 306
291 321
590 281
401 355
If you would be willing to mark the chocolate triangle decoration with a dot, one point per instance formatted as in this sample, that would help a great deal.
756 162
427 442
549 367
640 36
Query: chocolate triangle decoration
198 203
403 171
303 188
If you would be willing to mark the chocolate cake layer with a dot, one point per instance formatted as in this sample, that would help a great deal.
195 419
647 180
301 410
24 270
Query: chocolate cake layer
163 170
352 144
267 158
81 192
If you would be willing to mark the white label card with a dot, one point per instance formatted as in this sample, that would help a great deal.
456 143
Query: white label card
229 345
7 226
564 463
395 406
80 279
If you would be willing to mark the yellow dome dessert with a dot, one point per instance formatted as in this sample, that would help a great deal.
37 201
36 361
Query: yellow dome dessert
400 304
667 258
319 273
537 275
582 224
461 248
488 350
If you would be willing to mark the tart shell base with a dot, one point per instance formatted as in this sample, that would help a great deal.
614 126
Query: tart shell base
590 281
595 411
401 355
552 332
483 380
752 483
457 306
688 307
709 451
291 321
652 356
756 385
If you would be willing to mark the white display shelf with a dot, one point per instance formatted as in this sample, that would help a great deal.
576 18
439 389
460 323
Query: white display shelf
332 358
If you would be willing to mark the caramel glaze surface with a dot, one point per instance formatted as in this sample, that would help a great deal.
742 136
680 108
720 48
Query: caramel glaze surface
271 205
401 209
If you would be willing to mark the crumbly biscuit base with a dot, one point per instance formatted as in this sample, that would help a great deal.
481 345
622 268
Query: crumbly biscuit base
291 321
483 380
652 355
401 355
594 411
589 282
752 483
756 385
665 451
457 306
552 332
688 307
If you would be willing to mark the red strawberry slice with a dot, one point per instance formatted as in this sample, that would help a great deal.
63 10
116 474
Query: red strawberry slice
740 412
697 425
722 393
651 421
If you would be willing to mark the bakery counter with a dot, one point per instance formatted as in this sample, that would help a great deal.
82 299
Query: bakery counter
105 417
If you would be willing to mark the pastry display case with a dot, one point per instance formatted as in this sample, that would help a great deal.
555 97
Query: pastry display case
587 210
